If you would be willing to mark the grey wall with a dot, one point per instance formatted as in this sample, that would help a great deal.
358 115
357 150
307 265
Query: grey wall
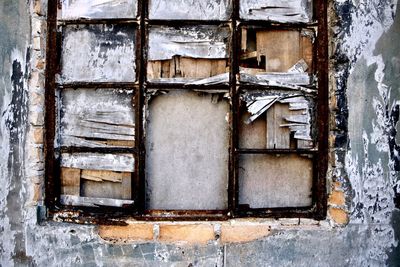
366 86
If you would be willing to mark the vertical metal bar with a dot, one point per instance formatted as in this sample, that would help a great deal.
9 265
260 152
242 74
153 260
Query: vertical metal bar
233 190
322 108
52 189
140 171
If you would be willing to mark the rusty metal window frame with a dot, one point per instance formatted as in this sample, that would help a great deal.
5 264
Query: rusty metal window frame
140 87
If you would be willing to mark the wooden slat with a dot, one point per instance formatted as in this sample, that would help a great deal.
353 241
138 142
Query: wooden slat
277 137
93 201
70 181
106 184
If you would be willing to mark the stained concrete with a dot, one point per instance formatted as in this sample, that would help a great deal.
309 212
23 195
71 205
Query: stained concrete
364 66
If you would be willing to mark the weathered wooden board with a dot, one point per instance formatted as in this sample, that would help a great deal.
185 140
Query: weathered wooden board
270 181
98 53
187 151
185 69
277 10
207 42
97 9
284 48
93 202
190 9
252 135
101 162
70 181
277 137
97 118
104 187
259 76
288 121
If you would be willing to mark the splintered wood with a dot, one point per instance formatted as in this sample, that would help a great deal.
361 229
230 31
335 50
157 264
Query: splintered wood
187 54
277 10
97 118
285 125
192 10
95 184
283 56
97 9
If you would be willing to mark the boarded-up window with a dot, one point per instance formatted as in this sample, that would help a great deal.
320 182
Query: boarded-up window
200 109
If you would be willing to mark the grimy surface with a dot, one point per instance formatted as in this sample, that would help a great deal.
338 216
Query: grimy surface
365 85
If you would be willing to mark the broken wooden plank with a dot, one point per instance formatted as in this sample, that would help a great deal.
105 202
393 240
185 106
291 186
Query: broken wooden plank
106 184
206 42
281 49
70 181
98 53
277 137
93 161
93 201
273 181
183 69
259 80
190 10
98 9
277 10
100 176
285 114
97 118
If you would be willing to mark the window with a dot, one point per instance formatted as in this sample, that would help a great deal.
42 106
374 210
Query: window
187 109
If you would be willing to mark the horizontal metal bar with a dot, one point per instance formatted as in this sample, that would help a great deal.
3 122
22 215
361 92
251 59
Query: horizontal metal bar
276 25
97 85
275 151
186 86
97 21
178 23
103 150
287 212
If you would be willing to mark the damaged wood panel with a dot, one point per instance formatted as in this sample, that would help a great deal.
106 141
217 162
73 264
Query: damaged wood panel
271 181
252 135
283 49
187 151
290 11
98 53
106 184
185 69
187 54
277 56
190 9
93 201
70 181
97 9
92 183
97 118
101 162
287 121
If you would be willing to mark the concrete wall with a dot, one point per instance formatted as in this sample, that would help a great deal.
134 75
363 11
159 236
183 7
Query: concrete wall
363 225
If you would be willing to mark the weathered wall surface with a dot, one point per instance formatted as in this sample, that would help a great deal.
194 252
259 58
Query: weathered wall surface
365 98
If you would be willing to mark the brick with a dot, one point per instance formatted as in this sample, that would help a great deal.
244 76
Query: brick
36 118
133 232
36 99
37 135
339 216
337 198
35 154
188 233
36 43
243 233
37 193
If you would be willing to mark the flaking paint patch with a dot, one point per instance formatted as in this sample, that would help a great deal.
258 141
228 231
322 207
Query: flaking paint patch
369 169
